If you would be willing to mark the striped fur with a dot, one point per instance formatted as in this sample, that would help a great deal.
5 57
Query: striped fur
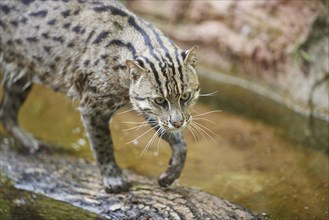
102 55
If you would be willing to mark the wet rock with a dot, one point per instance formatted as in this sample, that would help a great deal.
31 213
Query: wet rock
74 181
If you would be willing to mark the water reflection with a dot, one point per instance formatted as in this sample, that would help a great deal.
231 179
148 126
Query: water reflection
247 163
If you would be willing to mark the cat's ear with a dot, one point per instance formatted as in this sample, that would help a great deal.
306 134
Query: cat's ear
190 57
135 69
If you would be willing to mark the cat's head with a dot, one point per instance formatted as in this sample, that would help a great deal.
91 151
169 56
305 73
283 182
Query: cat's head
164 87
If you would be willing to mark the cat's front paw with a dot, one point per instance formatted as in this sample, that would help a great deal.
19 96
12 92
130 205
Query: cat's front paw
116 184
166 179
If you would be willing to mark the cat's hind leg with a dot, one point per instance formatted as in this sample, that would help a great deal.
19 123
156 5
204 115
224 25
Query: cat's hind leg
16 87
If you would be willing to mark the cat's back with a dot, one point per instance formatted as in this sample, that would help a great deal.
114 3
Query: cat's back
29 25
55 39
58 22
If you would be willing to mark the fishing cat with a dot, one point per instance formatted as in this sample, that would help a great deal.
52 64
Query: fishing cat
101 54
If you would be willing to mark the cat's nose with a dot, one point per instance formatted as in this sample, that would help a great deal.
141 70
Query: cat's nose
177 124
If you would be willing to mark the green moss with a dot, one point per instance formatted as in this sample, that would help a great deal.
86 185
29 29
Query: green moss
18 204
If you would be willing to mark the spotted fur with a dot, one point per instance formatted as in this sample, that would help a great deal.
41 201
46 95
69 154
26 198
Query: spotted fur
101 54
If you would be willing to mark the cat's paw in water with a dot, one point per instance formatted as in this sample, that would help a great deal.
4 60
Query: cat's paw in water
116 184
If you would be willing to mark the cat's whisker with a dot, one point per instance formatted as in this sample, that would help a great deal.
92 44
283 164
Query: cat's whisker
139 122
159 138
190 129
143 124
205 132
203 119
209 94
129 110
146 148
199 132
140 136
135 127
206 113
205 128
134 122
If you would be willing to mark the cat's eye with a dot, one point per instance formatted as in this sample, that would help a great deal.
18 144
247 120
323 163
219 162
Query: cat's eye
186 96
159 100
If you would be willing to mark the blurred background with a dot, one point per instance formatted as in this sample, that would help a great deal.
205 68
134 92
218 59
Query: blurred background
266 65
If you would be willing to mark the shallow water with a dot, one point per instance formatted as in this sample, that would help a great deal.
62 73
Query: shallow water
247 162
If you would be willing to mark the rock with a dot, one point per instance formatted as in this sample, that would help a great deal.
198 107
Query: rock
77 182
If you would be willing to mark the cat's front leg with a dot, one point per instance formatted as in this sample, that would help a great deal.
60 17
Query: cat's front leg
96 123
177 160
